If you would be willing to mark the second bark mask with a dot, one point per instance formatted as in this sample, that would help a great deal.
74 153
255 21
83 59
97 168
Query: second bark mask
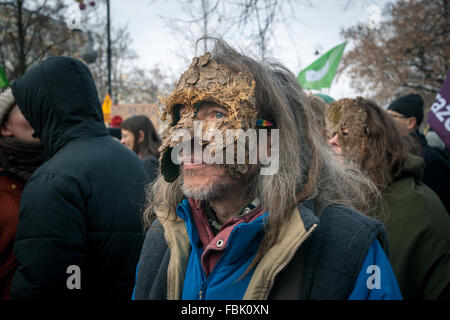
348 120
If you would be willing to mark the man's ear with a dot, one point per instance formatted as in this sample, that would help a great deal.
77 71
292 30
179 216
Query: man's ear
140 136
411 123
5 130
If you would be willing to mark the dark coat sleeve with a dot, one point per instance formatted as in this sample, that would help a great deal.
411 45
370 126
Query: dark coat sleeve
152 167
151 280
50 238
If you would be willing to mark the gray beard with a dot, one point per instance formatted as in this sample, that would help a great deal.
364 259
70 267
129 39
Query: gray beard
210 192
217 190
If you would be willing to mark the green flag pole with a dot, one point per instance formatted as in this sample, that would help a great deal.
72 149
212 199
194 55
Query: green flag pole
320 73
3 80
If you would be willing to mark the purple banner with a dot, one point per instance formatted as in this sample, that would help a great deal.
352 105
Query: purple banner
439 116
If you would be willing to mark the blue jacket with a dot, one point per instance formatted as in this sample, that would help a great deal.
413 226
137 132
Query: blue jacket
224 282
339 250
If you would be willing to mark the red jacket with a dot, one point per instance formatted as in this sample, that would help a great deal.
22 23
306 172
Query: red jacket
10 193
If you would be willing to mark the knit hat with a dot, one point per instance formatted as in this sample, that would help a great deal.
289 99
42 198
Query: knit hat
116 121
6 102
410 105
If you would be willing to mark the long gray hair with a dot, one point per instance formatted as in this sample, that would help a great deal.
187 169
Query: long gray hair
308 168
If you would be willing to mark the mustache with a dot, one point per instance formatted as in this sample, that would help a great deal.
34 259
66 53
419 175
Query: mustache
192 172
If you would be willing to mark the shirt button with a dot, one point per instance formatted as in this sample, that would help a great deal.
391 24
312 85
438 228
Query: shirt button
13 186
219 243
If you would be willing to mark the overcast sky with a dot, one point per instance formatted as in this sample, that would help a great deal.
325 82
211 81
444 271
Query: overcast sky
316 26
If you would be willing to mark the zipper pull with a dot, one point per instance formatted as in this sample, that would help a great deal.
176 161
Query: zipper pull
200 295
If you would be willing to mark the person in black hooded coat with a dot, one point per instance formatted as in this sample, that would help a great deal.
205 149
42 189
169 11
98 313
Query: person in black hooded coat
79 232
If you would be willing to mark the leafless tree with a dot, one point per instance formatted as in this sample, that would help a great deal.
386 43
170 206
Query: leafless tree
31 31
131 83
410 52
202 18
252 20
261 16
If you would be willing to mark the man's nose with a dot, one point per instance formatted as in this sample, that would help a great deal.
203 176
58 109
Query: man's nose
334 142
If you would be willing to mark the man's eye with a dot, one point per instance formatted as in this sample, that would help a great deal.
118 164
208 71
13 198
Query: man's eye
218 115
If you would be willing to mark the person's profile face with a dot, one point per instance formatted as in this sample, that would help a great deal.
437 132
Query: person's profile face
17 126
127 139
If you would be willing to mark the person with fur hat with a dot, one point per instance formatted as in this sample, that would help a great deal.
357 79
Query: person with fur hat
20 155
415 219
276 224
407 112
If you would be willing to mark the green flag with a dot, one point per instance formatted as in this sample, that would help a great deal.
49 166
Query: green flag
3 80
320 73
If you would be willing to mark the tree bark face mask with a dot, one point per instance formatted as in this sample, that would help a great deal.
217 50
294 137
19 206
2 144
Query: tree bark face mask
206 80
348 120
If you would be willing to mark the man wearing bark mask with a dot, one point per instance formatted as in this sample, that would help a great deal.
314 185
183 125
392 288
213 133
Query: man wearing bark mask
235 226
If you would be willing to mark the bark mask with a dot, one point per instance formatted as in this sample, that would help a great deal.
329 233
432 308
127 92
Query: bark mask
348 120
206 80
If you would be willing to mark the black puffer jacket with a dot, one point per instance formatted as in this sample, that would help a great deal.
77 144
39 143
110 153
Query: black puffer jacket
80 215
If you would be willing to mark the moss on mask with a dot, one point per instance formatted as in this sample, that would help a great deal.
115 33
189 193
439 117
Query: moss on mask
206 80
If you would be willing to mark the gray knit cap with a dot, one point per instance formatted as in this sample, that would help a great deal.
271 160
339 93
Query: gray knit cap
6 102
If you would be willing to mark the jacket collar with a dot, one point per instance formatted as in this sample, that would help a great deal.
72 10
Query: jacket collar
413 166
307 212
297 228
293 233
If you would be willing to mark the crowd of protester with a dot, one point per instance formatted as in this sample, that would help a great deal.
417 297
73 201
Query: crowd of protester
357 208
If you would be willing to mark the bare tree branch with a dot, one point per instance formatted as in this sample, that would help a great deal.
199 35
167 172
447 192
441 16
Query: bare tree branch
401 57
251 19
